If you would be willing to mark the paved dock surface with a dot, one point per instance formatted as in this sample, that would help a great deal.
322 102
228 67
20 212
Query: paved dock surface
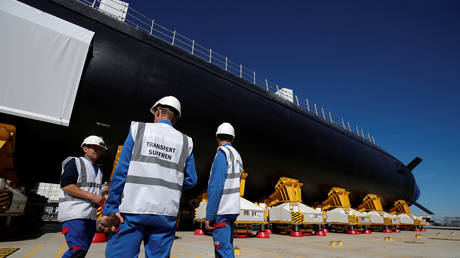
50 243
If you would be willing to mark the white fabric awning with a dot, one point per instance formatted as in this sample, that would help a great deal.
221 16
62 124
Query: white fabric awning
41 63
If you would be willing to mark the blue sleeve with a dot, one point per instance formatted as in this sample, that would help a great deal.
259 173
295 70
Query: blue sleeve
190 177
119 177
216 184
70 175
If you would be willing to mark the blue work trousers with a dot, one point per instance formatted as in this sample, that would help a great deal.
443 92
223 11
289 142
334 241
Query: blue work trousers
79 234
222 235
156 231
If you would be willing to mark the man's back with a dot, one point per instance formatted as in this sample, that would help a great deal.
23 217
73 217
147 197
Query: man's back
156 171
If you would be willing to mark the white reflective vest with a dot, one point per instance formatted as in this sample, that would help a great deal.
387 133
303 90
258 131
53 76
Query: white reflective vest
71 207
156 170
230 200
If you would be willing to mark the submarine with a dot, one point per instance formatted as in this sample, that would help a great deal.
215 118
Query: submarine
125 70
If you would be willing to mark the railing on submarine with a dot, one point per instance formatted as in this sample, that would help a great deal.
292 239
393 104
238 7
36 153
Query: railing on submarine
149 26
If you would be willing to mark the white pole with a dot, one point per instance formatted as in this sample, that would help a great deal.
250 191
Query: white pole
349 127
193 46
174 38
343 124
324 116
266 84
210 55
297 100
316 110
226 64
330 117
241 70
151 28
254 77
308 105
362 133
357 130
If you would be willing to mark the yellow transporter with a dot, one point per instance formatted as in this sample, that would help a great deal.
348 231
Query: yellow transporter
407 220
12 200
339 214
379 219
287 213
251 220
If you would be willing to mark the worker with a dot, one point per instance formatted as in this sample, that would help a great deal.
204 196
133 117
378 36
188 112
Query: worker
156 164
224 192
80 195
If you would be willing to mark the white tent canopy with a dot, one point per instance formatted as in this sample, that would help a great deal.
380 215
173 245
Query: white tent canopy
41 63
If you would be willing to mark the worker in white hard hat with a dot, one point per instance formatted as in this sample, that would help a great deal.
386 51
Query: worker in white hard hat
156 164
81 180
223 205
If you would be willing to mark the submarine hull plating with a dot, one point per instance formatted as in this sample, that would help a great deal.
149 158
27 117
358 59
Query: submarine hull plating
127 70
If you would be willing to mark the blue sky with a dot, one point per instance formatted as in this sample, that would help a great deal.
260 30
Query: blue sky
390 67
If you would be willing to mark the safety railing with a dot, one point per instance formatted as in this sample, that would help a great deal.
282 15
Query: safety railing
151 27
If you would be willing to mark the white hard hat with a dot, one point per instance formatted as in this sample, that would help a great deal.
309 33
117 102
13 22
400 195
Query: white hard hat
94 140
225 128
169 101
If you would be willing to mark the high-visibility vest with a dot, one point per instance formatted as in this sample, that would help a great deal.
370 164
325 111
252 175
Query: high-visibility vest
230 200
156 170
72 207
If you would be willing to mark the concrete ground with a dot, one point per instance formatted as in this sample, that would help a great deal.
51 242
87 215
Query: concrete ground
50 243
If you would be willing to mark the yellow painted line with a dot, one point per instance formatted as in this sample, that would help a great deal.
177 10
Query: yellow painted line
34 251
185 252
61 250
173 256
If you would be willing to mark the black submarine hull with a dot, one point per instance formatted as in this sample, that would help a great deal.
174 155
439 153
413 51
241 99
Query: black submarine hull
127 71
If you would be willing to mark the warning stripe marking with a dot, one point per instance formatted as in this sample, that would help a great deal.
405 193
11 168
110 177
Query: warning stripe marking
4 252
353 219
296 217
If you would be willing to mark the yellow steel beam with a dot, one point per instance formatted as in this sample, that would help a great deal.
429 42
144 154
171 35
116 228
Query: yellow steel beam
371 202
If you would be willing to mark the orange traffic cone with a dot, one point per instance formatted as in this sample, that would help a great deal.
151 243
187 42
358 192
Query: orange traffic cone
199 232
263 234
320 233
99 237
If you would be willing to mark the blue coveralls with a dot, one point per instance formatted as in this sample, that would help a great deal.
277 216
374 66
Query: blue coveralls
157 231
223 224
78 233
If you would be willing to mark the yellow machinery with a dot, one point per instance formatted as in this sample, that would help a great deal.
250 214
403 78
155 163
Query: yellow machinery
244 175
251 219
340 215
379 219
406 219
12 201
286 190
7 145
371 202
106 194
7 138
337 198
400 207
287 213
115 162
